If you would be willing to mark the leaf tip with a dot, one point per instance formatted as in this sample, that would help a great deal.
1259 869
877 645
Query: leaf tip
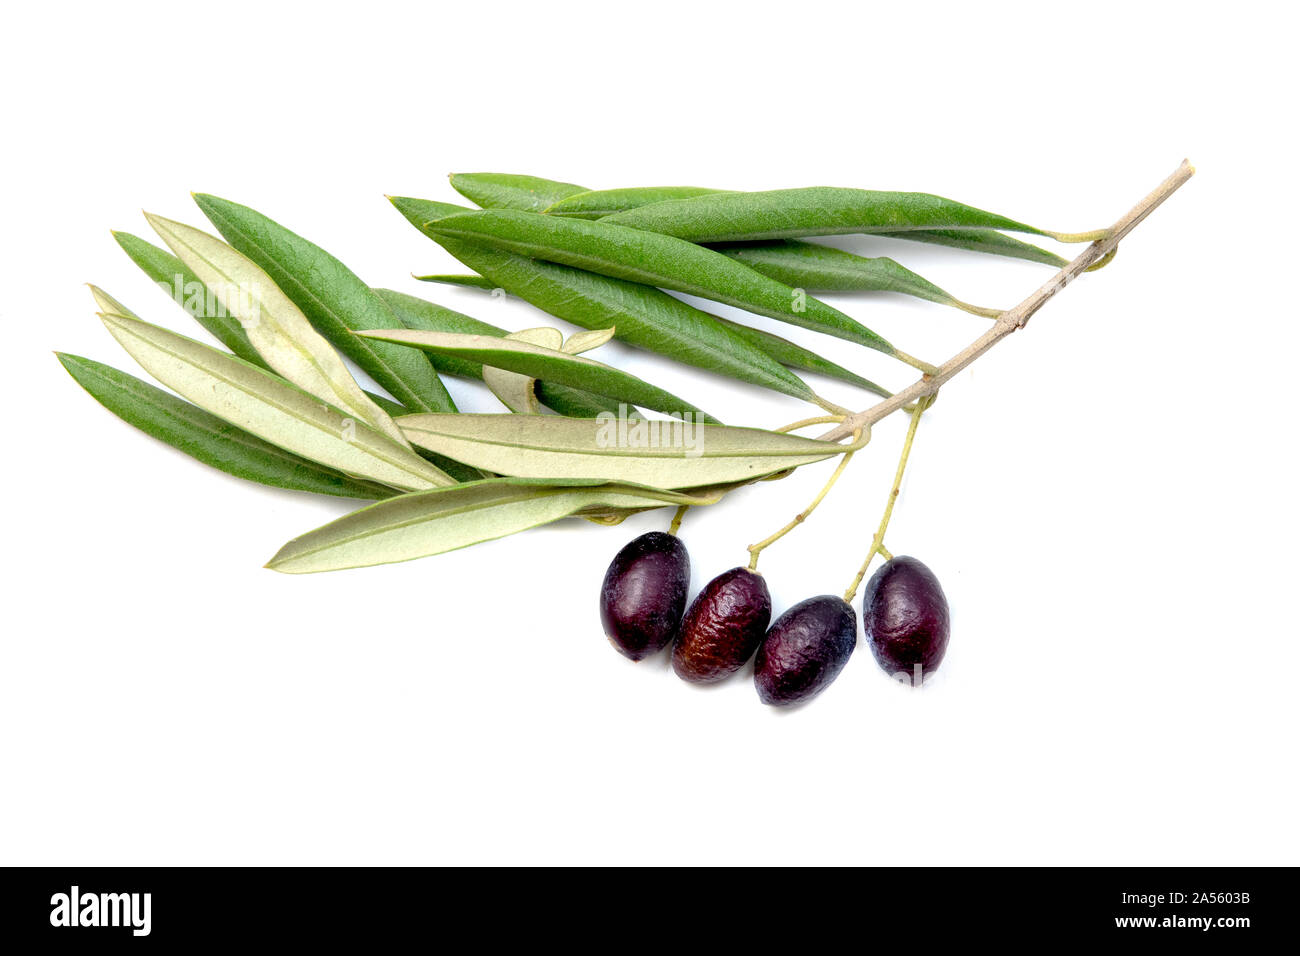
158 223
281 563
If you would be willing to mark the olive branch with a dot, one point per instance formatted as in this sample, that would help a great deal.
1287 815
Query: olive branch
279 406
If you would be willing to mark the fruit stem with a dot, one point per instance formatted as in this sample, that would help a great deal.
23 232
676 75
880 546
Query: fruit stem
1103 262
1014 319
677 519
878 542
756 549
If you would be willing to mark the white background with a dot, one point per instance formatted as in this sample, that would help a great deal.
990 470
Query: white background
1107 497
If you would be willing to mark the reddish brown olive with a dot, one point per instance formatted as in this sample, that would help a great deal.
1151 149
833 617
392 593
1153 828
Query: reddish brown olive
906 618
644 594
805 650
724 626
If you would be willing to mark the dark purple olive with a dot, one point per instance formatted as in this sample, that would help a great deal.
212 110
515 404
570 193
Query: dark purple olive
805 650
723 627
644 593
906 618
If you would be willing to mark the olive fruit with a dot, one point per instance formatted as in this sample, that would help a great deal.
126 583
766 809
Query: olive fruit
906 617
644 593
723 627
805 649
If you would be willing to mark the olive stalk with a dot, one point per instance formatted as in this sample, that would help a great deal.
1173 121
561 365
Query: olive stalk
756 549
676 524
878 542
1017 317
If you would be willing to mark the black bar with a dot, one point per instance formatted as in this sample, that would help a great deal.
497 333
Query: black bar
804 907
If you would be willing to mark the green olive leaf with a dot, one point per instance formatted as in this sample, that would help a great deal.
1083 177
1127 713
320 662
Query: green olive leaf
206 437
643 316
599 203
506 190
663 454
813 211
275 327
652 259
595 204
465 281
265 405
987 241
543 363
417 525
796 356
808 265
518 392
334 300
